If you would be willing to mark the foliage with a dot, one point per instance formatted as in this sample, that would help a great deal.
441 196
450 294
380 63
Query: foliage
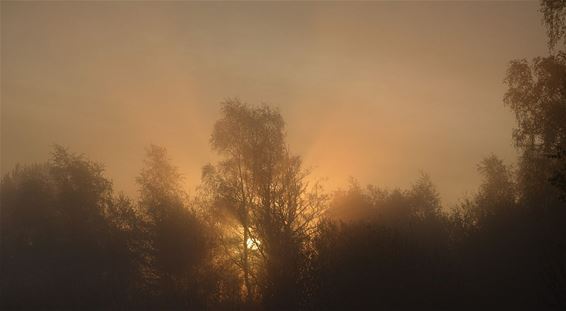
264 193
66 239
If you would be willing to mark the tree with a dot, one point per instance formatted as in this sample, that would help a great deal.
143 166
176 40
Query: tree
382 249
498 189
424 198
554 13
177 241
66 238
263 191
537 94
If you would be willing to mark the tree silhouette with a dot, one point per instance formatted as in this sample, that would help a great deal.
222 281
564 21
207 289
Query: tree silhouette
65 237
554 13
264 189
178 242
537 94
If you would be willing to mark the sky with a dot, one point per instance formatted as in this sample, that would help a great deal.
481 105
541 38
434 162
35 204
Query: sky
377 91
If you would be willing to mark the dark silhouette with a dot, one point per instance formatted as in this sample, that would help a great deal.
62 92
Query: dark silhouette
65 237
177 245
262 191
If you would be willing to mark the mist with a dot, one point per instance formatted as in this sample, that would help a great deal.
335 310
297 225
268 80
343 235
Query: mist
375 91
283 155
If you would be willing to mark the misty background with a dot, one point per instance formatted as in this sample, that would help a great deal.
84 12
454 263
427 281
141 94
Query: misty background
378 91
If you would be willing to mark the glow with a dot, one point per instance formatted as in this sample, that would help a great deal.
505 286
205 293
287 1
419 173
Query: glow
252 244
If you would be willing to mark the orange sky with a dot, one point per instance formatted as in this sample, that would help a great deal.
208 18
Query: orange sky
378 91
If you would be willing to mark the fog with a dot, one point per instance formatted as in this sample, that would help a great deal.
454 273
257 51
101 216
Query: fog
377 91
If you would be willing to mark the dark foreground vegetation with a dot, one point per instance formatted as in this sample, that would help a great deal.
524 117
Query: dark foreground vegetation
260 234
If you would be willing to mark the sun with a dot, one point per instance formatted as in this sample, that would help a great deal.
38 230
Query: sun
252 243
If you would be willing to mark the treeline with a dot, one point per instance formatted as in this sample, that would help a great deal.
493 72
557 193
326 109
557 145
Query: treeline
261 234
